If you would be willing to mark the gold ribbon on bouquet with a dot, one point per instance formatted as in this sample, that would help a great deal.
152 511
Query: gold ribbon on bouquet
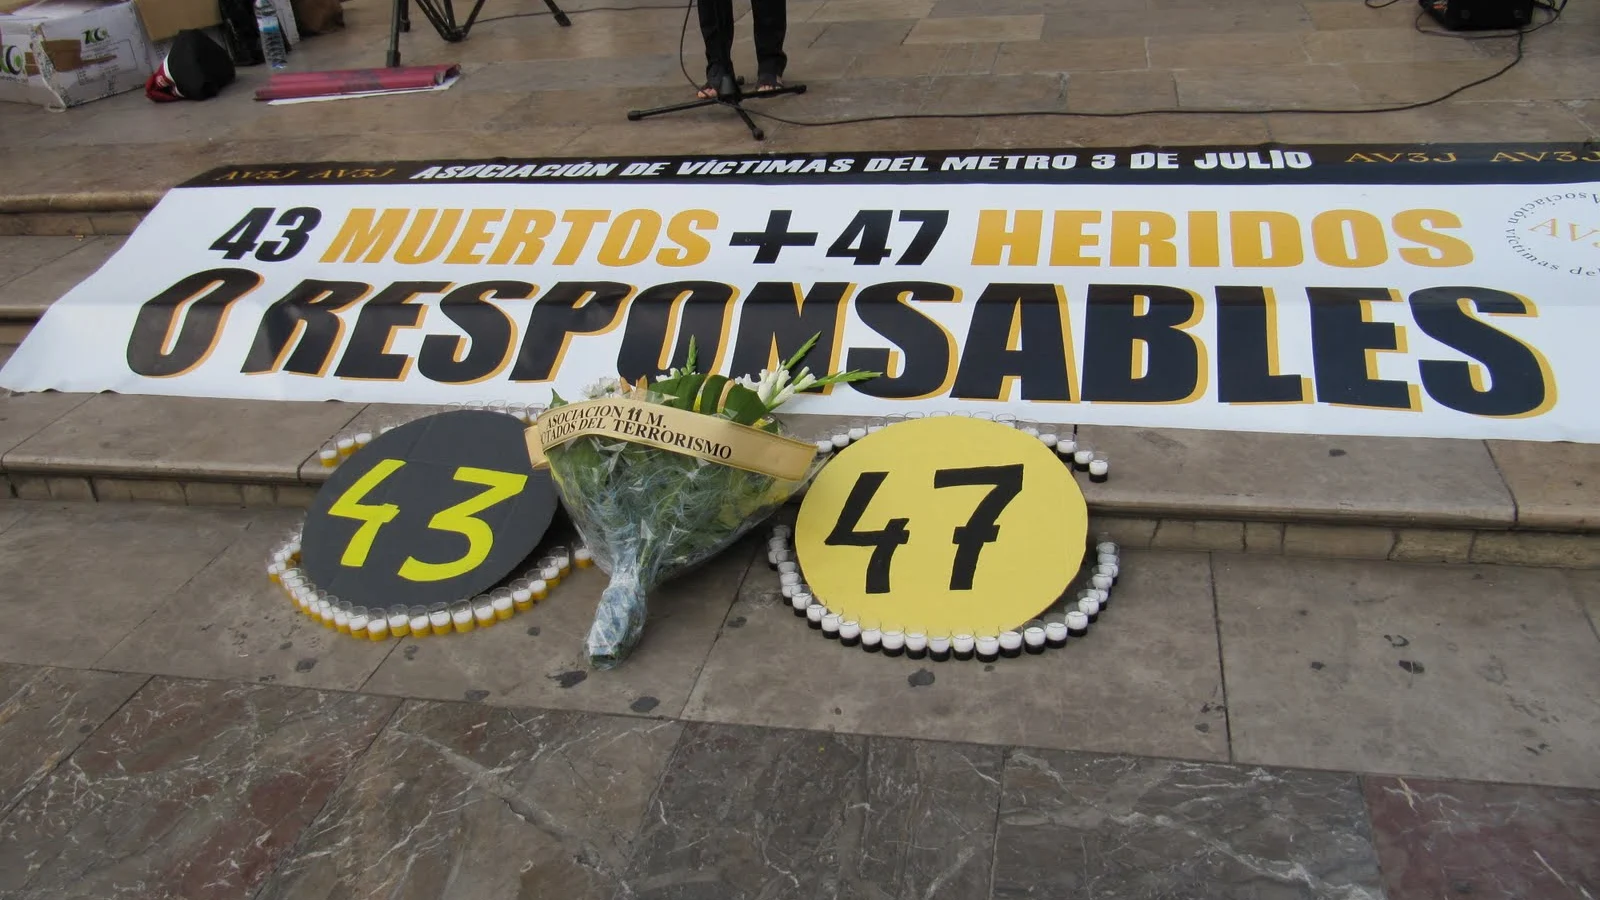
675 430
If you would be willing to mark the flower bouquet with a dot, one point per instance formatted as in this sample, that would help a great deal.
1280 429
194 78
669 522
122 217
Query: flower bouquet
660 476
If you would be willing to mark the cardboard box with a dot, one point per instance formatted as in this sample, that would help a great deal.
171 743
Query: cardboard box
64 53
163 19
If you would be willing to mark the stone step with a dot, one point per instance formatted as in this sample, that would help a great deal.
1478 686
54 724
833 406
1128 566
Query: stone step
35 270
1301 495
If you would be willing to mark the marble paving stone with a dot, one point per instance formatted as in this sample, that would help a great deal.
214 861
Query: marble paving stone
45 714
768 668
458 800
193 789
744 812
1491 841
538 657
1586 587
1449 671
23 415
1555 485
976 28
869 10
21 255
995 93
1161 130
1221 50
1383 45
230 622
32 294
1119 92
112 434
871 36
1450 121
13 511
109 565
1404 481
1073 825
1266 87
924 59
1071 55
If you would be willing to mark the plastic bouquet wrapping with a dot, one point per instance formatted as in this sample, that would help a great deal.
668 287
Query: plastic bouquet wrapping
660 476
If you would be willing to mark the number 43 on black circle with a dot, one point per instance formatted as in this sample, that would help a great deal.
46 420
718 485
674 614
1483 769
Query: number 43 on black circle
981 528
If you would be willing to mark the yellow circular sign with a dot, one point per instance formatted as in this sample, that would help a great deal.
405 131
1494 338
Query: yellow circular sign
945 524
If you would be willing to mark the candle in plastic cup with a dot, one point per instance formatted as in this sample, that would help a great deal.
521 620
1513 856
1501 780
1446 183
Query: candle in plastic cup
1108 547
439 618
1077 623
357 619
550 571
583 557
363 438
328 455
378 628
824 448
325 612
1101 582
1066 446
563 560
504 603
1099 468
461 616
856 434
420 626
841 440
800 602
483 611
346 446
341 617
540 589
399 621
272 573
522 599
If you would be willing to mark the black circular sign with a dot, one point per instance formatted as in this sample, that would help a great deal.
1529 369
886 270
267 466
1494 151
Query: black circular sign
436 510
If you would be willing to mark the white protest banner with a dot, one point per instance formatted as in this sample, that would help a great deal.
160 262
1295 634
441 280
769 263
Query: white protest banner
1422 291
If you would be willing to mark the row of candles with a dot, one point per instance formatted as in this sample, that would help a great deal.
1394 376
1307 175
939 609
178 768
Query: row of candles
1068 619
1066 445
345 445
379 624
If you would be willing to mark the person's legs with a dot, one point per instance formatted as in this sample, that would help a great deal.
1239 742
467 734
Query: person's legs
771 24
716 27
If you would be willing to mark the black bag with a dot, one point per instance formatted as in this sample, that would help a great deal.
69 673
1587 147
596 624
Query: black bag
244 38
195 69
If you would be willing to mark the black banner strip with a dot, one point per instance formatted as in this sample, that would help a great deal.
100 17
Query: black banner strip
1553 163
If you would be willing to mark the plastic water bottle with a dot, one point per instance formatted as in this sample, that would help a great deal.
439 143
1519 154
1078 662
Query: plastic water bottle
272 43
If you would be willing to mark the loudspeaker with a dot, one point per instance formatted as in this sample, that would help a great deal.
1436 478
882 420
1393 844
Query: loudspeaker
1480 15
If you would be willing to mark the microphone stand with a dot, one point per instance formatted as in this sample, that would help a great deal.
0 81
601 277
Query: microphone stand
730 93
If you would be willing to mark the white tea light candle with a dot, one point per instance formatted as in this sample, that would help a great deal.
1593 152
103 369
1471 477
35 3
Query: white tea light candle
962 645
849 632
1077 623
1055 634
916 645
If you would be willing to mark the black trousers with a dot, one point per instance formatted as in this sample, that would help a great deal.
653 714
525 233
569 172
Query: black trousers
716 26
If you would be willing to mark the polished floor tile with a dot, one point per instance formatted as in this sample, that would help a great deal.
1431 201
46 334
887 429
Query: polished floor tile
45 714
748 812
1440 839
193 790
468 801
1118 828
